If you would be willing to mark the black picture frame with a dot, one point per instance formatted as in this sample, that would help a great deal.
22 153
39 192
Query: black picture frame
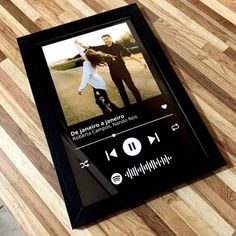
54 123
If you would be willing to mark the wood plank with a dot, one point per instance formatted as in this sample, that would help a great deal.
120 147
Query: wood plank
222 71
25 123
12 23
181 219
27 220
37 181
74 11
215 201
196 89
29 149
9 48
11 88
179 26
220 226
149 15
222 189
231 4
8 67
109 5
42 23
229 178
96 6
27 194
204 81
97 230
230 52
200 20
2 56
217 119
53 7
201 65
20 15
8 36
117 225
50 16
221 9
214 15
82 7
25 7
223 58
224 141
211 17
158 226
187 21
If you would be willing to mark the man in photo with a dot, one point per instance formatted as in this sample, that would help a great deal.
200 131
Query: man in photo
118 70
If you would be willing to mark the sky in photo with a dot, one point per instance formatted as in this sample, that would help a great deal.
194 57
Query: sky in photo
64 49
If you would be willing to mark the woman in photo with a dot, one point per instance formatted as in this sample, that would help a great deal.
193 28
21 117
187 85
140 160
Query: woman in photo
92 59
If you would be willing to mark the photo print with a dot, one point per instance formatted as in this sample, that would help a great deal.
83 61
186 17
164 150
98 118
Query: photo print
99 72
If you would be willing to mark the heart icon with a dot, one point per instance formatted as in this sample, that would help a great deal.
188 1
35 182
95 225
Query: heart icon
164 106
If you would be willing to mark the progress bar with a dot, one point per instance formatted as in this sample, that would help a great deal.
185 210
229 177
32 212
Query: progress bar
135 127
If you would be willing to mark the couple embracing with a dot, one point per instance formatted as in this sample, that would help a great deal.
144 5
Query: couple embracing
108 54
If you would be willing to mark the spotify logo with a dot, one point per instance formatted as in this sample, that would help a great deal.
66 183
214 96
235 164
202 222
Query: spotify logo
116 178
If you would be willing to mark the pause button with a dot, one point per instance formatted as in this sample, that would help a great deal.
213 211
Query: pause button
132 146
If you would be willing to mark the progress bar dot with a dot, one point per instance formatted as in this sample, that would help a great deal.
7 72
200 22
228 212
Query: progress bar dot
113 135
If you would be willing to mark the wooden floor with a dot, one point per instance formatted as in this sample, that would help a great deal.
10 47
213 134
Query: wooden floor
200 39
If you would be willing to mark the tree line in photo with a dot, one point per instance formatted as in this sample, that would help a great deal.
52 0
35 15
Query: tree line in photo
126 40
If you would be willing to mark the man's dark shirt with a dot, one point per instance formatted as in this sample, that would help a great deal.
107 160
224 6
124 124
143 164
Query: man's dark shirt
116 66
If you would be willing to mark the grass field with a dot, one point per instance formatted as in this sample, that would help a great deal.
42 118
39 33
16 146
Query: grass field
77 107
65 65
